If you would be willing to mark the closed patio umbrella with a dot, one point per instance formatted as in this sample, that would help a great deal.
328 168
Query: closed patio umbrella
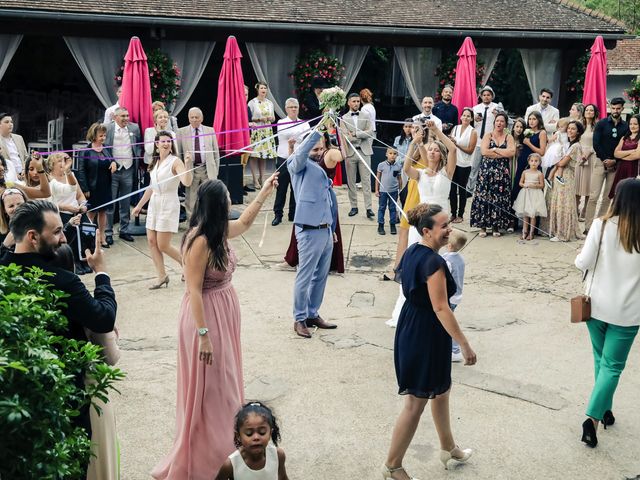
464 90
595 78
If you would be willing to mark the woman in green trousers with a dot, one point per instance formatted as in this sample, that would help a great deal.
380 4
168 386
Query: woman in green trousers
615 304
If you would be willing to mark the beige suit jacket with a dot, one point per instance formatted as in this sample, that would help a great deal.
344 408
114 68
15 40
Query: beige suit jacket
363 133
22 149
208 147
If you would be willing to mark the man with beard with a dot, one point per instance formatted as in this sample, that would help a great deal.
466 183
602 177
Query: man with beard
606 137
38 232
550 114
314 224
446 111
427 113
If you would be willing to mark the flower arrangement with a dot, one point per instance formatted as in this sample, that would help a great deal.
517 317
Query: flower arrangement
575 81
528 133
164 75
333 98
315 63
446 72
633 94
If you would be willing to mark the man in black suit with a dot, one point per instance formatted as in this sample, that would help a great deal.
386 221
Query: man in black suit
38 232
311 103
124 139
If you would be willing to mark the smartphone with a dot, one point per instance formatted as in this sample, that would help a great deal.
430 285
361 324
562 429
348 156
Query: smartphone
86 238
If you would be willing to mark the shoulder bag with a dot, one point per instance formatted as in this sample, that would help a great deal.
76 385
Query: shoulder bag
581 305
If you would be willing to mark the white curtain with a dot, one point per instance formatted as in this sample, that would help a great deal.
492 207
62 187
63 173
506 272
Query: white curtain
543 68
418 67
8 46
192 58
272 63
352 57
99 59
489 57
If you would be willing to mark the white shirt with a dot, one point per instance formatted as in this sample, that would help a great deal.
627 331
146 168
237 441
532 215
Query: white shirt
122 151
109 113
371 110
615 297
462 140
285 132
549 114
63 193
481 108
423 117
10 174
14 156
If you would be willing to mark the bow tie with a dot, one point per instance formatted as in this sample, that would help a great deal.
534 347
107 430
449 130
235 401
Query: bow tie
425 117
355 114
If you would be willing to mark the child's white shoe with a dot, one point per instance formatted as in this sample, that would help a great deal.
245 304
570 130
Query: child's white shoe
456 357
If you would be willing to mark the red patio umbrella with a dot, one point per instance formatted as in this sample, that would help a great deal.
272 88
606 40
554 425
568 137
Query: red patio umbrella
595 78
464 91
136 86
231 121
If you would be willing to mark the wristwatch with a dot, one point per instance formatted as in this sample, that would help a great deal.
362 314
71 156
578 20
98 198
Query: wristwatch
203 331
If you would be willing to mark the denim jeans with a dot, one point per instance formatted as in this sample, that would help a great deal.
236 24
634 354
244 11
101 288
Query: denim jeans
387 198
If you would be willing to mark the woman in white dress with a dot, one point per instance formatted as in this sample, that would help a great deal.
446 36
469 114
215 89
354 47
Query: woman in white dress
163 213
436 168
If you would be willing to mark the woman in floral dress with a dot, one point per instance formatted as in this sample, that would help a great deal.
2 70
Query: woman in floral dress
563 216
262 113
491 207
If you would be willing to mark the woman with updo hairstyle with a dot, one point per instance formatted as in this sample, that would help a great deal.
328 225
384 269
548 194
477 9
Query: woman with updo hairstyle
262 113
422 347
366 96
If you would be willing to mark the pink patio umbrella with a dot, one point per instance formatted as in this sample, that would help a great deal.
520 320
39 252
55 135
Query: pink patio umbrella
595 78
464 91
231 121
136 86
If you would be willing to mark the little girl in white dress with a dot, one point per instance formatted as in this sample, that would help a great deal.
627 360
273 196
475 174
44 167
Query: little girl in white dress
530 201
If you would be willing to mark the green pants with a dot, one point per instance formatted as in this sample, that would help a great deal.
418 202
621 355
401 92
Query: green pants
611 345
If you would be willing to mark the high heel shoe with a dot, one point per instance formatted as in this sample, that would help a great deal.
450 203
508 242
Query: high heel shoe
589 433
388 472
446 456
608 419
163 283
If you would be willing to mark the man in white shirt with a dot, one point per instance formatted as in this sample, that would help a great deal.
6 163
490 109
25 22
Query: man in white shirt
288 134
126 144
201 141
484 115
110 112
550 114
12 147
427 114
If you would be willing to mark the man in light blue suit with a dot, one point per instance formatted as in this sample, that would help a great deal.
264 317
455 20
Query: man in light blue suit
314 221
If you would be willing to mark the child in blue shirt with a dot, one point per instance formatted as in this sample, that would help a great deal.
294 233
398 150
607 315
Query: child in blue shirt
387 187
455 262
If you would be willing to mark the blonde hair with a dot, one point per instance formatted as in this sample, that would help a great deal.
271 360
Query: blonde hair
157 113
457 240
52 159
157 104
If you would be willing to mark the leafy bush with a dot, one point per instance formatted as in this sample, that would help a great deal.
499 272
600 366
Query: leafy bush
39 368
633 94
316 63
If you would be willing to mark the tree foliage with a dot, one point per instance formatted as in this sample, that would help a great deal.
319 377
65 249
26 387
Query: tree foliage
39 392
626 10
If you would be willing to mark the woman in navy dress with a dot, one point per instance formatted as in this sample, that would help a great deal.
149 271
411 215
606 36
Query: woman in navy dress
422 350
536 143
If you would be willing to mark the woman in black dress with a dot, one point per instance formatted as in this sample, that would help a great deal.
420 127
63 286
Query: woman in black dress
95 166
422 350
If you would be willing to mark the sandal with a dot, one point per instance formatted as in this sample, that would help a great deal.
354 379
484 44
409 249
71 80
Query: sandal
482 234
524 235
497 234
457 220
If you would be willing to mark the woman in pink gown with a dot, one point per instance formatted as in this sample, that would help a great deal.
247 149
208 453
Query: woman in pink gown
210 384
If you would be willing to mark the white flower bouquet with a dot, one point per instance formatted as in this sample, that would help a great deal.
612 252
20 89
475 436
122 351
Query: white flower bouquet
528 133
333 99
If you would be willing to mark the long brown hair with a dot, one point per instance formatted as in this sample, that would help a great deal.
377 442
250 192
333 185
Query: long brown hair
156 153
625 207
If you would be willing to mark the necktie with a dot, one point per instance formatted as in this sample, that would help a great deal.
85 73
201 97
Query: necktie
197 159
484 122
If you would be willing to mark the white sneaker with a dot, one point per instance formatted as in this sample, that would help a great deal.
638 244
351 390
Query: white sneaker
391 323
284 266
554 239
456 357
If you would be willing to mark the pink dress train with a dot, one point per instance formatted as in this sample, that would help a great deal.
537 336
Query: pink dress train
209 396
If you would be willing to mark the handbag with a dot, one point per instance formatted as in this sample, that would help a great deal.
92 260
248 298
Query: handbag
581 304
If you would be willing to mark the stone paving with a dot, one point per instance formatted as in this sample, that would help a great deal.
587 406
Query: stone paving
520 407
